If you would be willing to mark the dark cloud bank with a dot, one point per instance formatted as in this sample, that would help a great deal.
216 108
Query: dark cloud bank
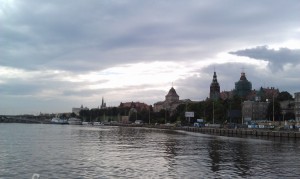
276 58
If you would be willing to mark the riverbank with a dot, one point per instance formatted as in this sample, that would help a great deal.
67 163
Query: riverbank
243 132
205 130
224 131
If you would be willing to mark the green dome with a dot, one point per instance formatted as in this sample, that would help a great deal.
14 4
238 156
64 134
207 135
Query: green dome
243 87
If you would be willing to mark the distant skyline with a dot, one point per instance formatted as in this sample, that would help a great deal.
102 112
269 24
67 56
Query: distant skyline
56 55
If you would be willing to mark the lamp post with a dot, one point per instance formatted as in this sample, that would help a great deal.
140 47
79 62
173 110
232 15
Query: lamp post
149 115
165 116
213 112
230 111
273 109
135 114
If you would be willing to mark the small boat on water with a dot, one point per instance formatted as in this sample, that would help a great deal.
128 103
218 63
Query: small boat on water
87 123
97 124
74 121
57 120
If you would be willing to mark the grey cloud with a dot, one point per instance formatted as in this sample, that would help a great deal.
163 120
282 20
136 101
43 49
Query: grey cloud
93 32
197 86
18 89
81 36
276 58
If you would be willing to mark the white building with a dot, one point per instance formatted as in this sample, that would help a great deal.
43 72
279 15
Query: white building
77 110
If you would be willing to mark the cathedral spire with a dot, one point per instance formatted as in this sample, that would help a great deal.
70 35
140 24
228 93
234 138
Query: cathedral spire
103 104
214 88
215 80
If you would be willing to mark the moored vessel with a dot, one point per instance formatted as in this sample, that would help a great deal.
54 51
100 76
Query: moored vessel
97 124
87 123
57 120
74 121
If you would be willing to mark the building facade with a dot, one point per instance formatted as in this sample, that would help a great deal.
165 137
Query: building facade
138 106
254 110
77 110
170 103
243 87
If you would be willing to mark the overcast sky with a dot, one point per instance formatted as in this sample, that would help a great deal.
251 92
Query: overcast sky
55 55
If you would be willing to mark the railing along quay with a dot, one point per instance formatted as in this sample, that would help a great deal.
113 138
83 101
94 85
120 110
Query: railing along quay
242 132
223 131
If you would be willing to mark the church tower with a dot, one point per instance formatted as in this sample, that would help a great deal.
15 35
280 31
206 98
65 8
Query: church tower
214 93
103 104
172 96
243 87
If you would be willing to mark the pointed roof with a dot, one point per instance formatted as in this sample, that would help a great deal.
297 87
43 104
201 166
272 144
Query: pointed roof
243 77
215 80
172 92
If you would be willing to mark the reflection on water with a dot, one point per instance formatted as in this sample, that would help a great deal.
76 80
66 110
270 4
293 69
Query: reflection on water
55 151
225 154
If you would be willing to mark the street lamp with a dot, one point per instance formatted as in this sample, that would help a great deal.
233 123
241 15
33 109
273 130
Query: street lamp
165 115
213 112
273 109
149 115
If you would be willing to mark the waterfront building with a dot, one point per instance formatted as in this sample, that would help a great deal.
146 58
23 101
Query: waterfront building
138 106
77 110
287 108
271 93
226 95
254 110
214 92
297 106
171 102
243 87
263 94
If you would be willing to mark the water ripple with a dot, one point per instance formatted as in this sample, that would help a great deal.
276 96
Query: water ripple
55 151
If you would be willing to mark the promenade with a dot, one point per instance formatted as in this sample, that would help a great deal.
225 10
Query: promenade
225 131
242 132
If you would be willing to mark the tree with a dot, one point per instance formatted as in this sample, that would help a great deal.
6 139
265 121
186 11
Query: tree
85 114
133 115
215 111
73 114
284 95
234 108
277 110
289 116
63 116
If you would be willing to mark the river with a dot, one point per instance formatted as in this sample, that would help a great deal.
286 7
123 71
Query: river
66 151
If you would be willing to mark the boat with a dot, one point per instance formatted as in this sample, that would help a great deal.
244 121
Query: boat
57 120
74 121
97 124
87 123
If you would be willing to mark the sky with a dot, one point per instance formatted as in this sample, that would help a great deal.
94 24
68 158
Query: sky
55 55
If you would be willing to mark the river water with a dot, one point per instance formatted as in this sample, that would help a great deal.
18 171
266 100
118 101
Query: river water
66 151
